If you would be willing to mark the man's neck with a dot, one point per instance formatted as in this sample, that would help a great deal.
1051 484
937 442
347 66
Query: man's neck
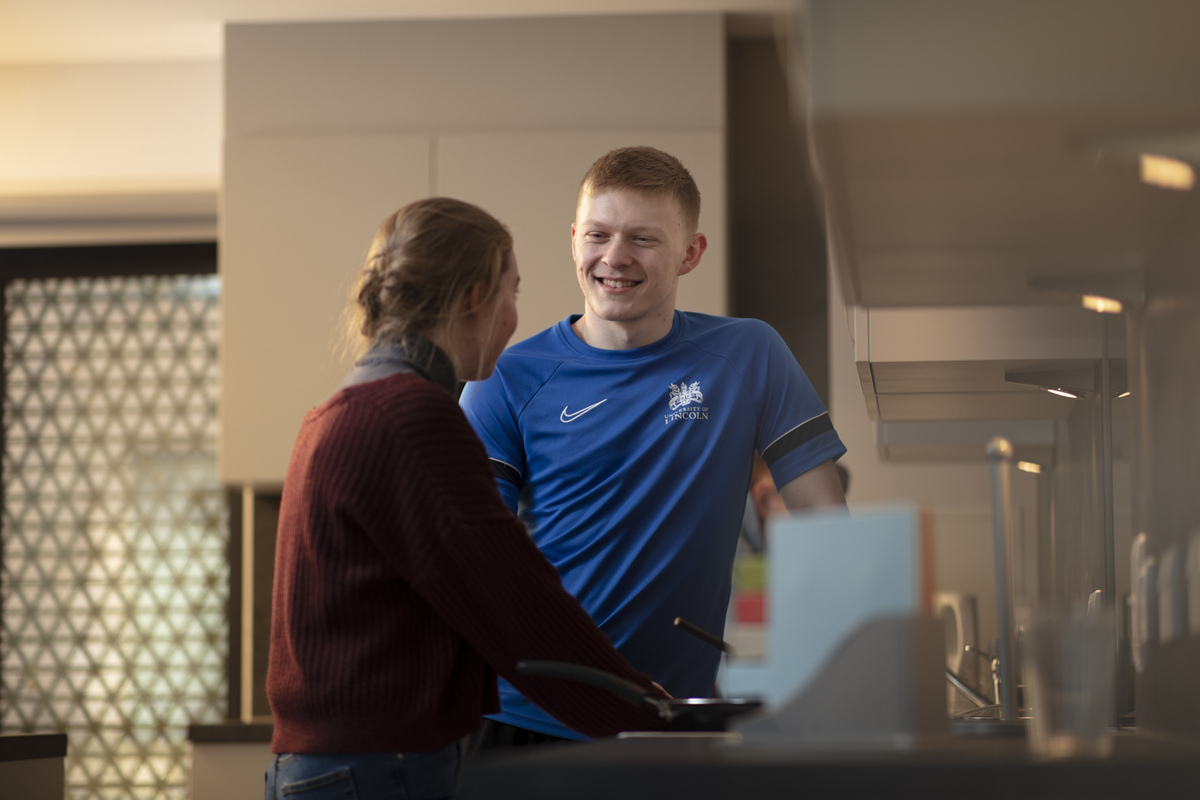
609 335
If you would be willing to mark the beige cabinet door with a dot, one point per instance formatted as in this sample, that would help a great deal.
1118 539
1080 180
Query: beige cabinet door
298 214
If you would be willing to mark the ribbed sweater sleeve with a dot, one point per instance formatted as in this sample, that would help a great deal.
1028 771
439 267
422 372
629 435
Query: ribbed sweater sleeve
400 573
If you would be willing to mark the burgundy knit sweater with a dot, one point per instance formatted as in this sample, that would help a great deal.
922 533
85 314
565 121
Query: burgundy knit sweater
403 585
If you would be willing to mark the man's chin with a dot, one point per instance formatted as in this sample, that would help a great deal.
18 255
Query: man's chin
614 315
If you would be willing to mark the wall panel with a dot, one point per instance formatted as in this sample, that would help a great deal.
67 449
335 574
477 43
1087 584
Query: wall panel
536 74
299 213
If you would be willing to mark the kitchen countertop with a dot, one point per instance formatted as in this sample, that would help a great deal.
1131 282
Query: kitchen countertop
230 732
31 746
949 768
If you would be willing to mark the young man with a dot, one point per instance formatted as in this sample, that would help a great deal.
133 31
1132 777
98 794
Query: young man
625 437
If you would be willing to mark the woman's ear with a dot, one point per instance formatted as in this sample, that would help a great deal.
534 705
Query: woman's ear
473 299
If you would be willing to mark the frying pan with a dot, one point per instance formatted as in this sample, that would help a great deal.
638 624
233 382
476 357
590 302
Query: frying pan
686 714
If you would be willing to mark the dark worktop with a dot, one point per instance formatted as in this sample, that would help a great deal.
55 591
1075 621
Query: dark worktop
947 768
30 746
232 732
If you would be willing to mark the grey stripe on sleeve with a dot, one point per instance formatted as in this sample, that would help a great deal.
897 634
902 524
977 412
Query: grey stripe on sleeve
802 433
506 472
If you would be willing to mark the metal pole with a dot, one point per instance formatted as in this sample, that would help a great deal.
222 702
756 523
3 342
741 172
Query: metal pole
1106 465
1109 599
999 453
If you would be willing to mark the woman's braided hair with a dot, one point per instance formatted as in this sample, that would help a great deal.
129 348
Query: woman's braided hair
422 264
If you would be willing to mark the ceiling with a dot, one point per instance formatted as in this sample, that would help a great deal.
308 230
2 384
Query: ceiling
966 174
74 31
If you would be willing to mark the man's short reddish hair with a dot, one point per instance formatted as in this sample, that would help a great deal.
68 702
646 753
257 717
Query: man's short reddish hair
648 170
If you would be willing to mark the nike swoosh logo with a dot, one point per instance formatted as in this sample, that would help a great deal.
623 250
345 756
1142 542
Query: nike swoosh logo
574 415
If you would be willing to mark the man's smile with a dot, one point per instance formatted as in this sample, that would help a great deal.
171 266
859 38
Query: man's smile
617 283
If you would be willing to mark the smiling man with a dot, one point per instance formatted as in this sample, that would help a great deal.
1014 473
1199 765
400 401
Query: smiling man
624 437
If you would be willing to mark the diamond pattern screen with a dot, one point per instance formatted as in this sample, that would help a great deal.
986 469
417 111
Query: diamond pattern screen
114 573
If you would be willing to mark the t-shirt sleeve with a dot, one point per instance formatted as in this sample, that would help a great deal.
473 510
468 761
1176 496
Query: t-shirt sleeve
490 412
795 432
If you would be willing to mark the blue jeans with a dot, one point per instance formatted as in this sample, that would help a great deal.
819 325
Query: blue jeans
364 776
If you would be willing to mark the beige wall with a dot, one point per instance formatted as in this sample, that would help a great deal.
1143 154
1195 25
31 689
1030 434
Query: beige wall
319 150
95 153
107 126
33 779
228 770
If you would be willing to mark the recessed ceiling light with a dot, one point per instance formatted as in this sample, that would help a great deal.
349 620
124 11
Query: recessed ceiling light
1167 173
1104 305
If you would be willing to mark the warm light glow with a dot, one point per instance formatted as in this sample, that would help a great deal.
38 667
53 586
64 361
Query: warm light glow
1029 466
1167 173
1124 394
1062 393
1104 305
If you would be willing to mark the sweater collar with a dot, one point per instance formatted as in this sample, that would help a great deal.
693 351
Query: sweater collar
415 354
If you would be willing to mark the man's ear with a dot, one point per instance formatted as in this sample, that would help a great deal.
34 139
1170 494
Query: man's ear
691 258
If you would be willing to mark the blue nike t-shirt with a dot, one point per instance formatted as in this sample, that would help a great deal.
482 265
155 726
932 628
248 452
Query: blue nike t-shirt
630 469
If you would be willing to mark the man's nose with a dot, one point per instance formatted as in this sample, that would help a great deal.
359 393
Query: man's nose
617 253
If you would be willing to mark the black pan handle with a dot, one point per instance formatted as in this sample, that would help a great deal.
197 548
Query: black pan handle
703 635
628 691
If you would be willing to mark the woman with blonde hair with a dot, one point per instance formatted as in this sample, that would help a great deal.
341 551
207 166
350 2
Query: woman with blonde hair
403 584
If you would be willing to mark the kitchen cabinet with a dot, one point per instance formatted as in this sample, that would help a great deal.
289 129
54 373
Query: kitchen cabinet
298 214
318 151
229 761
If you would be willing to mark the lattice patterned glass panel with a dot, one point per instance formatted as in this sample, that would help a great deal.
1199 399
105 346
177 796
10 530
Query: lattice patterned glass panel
114 573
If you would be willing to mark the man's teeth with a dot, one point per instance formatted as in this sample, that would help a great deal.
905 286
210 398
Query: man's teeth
618 284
